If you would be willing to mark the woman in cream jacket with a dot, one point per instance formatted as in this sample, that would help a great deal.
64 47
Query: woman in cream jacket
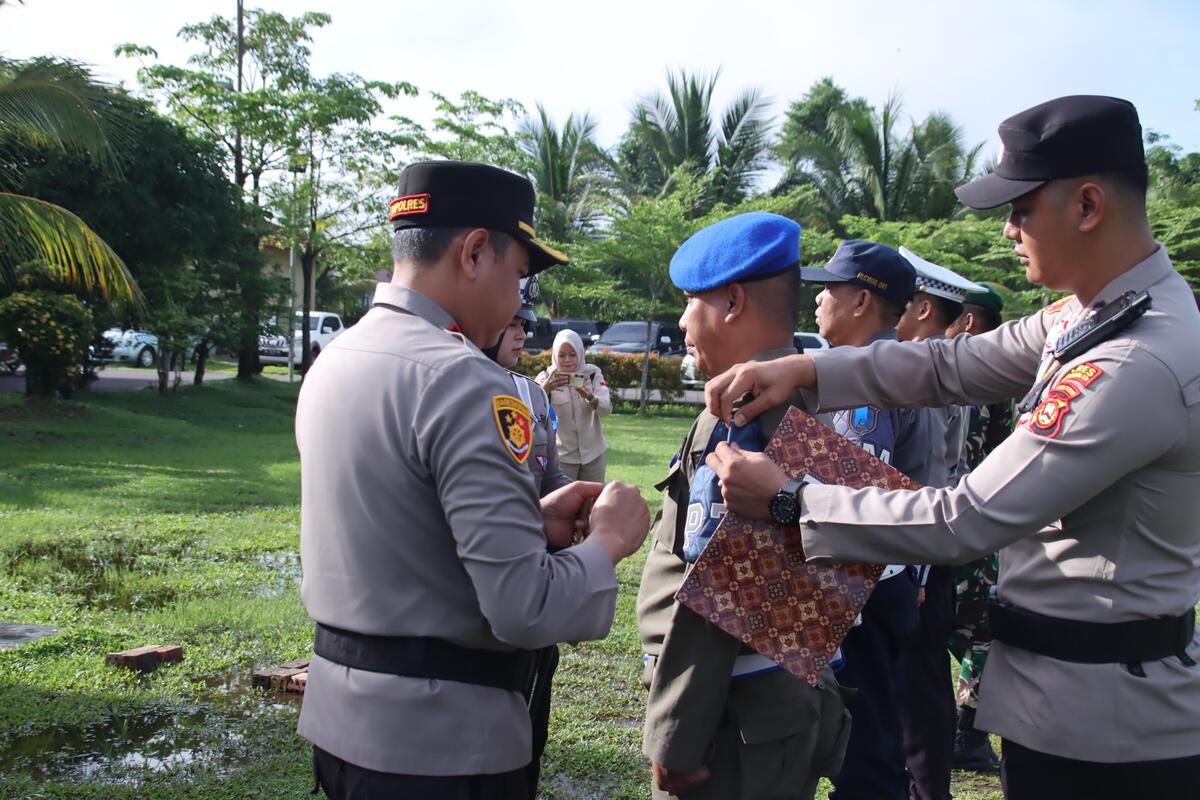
580 398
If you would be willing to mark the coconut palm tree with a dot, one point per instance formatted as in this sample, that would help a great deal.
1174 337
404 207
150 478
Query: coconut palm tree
571 172
678 130
49 103
861 163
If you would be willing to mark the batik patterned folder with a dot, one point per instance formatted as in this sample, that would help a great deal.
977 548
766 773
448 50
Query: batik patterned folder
752 580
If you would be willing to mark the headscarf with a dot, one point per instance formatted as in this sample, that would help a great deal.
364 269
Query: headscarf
568 336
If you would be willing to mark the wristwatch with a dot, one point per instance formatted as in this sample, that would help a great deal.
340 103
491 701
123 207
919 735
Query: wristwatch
785 505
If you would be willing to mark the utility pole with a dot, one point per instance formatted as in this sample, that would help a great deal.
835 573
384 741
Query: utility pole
237 142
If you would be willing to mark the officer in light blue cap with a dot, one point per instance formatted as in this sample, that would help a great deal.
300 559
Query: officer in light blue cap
723 721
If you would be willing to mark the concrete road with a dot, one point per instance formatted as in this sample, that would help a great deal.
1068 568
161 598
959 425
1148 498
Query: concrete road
116 379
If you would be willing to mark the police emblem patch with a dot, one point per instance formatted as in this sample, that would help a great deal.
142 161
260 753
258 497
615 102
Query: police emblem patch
516 428
1047 419
864 419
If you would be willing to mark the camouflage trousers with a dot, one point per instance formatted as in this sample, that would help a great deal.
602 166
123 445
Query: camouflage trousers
972 637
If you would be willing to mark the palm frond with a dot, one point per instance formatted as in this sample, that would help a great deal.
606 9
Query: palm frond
51 103
62 246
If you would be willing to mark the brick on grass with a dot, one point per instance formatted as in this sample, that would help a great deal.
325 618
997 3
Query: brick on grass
276 679
145 659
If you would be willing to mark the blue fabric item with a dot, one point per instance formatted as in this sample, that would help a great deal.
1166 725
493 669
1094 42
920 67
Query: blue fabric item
870 265
706 507
741 248
553 418
871 429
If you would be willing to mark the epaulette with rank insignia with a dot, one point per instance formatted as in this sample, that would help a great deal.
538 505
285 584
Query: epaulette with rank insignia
1058 305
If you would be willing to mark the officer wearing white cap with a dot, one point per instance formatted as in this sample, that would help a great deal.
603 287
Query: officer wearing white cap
422 539
724 722
1093 501
929 716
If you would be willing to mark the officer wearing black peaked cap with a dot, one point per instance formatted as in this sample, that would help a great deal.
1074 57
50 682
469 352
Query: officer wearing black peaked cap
1093 501
422 538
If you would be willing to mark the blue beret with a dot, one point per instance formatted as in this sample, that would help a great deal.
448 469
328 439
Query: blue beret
743 248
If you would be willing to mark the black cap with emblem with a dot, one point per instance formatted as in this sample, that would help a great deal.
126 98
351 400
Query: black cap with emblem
453 194
1063 138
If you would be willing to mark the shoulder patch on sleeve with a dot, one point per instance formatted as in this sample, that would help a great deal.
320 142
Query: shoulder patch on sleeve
1058 305
516 429
1047 419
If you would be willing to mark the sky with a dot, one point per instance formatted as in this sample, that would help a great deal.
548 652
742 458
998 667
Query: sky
979 61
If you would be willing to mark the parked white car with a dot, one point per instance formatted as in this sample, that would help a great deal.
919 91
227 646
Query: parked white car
139 348
323 328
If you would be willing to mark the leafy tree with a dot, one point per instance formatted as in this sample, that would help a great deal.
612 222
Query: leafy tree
475 128
279 114
571 173
861 163
56 105
677 131
172 217
1174 175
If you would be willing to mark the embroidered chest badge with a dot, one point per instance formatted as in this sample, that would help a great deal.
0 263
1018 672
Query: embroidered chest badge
515 425
864 419
1047 419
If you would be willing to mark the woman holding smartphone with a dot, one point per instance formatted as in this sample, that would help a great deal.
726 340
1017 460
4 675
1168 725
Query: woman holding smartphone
580 398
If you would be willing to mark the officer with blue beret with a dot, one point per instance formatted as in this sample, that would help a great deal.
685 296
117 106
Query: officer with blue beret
721 720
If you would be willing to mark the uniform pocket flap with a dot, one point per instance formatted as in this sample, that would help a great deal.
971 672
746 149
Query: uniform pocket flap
773 707
770 725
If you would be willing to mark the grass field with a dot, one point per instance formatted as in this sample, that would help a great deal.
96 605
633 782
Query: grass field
131 519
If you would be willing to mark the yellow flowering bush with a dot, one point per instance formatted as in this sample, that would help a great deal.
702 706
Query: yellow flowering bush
51 332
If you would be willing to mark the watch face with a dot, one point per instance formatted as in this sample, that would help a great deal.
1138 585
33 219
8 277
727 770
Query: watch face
783 509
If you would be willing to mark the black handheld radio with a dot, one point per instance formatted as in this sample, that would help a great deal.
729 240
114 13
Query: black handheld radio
1104 324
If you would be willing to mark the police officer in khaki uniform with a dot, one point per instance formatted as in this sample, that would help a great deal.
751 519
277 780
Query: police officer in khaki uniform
723 722
1094 499
422 541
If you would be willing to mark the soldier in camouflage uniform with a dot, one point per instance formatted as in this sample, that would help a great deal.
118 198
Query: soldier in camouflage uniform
971 639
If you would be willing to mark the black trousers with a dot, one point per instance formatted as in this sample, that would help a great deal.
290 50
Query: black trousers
929 714
1031 775
342 780
875 653
539 712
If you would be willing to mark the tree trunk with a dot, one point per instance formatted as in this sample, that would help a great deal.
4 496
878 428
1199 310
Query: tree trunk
306 270
201 362
644 394
248 363
164 370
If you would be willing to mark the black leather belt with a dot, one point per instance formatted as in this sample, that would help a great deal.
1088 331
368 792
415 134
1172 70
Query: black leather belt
1093 642
424 657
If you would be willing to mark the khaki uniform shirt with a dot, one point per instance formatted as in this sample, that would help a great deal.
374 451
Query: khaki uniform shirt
1095 500
417 521
689 662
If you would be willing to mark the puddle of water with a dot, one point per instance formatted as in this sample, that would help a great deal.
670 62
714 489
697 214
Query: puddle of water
238 688
15 634
284 566
126 748
98 570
